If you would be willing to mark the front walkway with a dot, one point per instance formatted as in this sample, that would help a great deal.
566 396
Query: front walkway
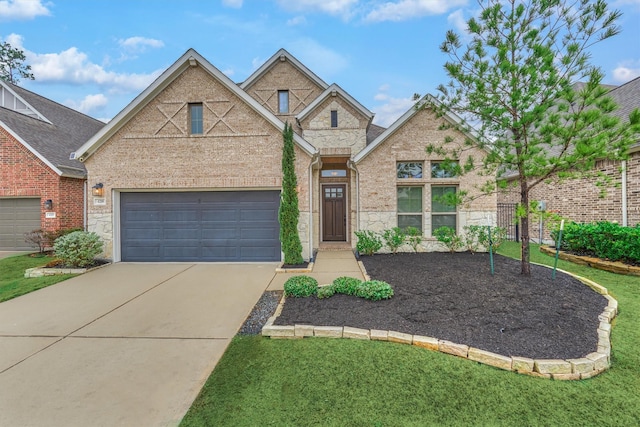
124 345
328 266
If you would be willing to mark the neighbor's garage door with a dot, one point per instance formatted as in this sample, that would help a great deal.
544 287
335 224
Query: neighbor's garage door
18 216
200 226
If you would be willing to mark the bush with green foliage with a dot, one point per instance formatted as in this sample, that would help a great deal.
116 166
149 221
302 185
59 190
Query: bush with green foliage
477 236
374 290
289 211
448 237
78 249
394 238
414 237
300 286
346 285
604 240
368 242
326 291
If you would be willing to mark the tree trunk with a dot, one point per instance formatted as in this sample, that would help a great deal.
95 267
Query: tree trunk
525 266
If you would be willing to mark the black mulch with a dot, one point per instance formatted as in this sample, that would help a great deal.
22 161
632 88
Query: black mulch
454 297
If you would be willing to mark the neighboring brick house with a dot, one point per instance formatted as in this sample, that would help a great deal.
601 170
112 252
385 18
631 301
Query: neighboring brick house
40 186
581 200
191 169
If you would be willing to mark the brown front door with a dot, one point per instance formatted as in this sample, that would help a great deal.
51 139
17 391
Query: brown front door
334 219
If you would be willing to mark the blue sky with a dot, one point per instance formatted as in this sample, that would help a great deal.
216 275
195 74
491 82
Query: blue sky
97 55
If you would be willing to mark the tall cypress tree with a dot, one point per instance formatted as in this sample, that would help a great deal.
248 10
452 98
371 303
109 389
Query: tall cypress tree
289 211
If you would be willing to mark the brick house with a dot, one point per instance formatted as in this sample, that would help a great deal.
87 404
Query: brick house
581 200
191 169
40 186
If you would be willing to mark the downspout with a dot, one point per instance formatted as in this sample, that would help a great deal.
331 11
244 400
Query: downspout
314 162
84 205
624 194
353 167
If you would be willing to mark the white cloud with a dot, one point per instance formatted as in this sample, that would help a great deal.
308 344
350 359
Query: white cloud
298 20
626 71
237 4
321 60
342 8
22 9
457 21
408 9
74 67
392 109
140 44
89 104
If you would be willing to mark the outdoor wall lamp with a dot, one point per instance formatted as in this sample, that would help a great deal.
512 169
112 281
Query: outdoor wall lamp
97 190
48 204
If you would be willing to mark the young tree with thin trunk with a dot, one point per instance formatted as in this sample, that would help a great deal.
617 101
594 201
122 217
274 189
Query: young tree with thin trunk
289 210
12 66
514 80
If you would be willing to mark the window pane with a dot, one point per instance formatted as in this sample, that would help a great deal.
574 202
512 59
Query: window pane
283 101
444 170
436 194
195 114
333 173
438 221
334 119
409 199
405 221
409 169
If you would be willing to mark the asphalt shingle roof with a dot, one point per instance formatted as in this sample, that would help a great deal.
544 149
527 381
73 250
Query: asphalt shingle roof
54 141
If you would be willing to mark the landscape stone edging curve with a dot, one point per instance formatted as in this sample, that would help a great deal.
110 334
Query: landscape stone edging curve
46 271
610 266
588 366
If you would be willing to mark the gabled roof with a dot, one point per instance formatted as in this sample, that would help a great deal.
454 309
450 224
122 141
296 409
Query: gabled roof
49 130
424 102
334 90
188 59
283 55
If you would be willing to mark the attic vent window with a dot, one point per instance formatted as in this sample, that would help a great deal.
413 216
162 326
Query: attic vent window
195 118
334 118
283 102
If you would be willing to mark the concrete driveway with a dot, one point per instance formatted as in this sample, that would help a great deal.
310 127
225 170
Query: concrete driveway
124 345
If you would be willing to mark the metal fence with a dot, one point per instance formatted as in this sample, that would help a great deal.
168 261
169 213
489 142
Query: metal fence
507 219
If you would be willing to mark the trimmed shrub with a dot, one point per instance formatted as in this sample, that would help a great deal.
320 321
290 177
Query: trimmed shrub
78 249
368 242
414 237
326 291
374 290
346 285
604 240
300 286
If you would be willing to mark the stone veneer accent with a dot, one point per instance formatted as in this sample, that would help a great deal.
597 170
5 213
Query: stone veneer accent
586 367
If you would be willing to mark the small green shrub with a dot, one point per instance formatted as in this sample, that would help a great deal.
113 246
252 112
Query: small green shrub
78 249
326 291
374 290
414 237
477 236
394 238
300 286
448 237
472 237
368 242
346 285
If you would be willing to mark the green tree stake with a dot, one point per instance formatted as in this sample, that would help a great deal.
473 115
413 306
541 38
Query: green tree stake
490 248
558 243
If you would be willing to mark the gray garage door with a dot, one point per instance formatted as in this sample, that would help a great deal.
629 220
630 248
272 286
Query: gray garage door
200 226
18 216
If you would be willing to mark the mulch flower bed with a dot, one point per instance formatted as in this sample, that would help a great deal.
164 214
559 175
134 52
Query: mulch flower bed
454 297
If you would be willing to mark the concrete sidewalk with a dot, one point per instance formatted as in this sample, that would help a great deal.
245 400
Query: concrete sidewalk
328 266
124 345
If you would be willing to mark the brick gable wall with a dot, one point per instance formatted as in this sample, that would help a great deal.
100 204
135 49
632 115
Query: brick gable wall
23 174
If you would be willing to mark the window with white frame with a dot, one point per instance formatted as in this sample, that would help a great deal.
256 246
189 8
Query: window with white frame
283 101
195 118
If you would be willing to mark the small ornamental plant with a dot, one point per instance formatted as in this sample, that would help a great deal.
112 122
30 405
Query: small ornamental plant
414 237
78 249
374 290
300 286
346 285
368 242
448 237
394 238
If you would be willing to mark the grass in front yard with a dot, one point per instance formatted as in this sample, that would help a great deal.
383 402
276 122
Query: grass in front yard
12 280
325 382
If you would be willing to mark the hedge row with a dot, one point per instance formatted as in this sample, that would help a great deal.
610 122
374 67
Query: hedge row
604 240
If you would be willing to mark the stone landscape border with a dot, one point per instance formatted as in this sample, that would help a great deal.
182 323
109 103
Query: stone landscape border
582 368
610 266
47 271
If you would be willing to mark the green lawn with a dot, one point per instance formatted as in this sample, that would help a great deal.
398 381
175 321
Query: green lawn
12 281
325 382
